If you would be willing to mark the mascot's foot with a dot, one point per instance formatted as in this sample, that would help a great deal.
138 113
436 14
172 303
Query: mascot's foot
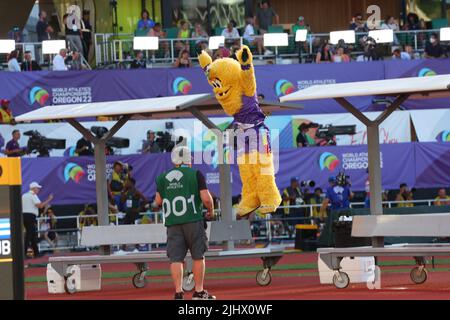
244 213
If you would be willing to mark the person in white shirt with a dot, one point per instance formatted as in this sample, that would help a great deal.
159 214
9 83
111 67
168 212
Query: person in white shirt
59 61
13 65
231 34
249 35
30 208
400 55
391 23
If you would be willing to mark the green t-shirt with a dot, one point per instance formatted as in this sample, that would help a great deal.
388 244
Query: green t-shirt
180 191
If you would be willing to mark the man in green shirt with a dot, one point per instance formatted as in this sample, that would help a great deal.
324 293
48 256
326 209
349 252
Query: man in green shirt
182 193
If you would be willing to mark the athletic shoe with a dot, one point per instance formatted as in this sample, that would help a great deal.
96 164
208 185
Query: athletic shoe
179 296
204 295
136 250
120 253
268 52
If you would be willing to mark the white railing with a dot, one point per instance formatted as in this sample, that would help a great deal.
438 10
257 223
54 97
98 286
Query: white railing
74 234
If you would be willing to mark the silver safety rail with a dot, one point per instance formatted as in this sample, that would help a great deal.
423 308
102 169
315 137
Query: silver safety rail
268 229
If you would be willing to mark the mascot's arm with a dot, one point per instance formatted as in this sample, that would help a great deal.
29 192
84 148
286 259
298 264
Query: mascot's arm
248 81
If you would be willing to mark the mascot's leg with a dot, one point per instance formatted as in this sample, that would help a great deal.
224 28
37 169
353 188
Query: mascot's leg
267 190
250 200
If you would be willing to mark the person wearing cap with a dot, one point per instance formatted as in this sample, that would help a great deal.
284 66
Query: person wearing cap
30 208
13 148
28 63
182 193
6 115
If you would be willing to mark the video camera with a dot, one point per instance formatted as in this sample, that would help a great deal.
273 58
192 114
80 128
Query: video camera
370 48
343 180
308 183
165 141
328 132
114 142
42 145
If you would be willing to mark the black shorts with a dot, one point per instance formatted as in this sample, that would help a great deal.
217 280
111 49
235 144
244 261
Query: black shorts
184 237
130 217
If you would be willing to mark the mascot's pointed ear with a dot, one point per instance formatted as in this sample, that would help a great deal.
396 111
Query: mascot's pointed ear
204 59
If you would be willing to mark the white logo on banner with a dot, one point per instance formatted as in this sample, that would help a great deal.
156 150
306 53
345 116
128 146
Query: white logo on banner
71 95
357 160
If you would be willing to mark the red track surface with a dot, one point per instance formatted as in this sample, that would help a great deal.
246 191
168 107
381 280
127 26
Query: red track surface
286 284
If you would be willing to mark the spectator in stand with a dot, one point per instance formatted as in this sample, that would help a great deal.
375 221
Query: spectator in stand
222 52
150 145
231 34
75 62
86 32
183 33
84 147
317 200
13 148
404 195
358 24
340 56
412 22
28 63
48 225
390 23
139 62
292 196
442 198
157 31
433 49
400 55
324 53
253 40
6 115
30 208
73 31
183 61
202 36
115 185
88 210
265 15
145 23
59 63
13 64
43 29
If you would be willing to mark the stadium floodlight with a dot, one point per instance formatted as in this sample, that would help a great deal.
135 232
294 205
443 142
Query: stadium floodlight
348 36
145 43
6 46
445 34
276 39
382 36
215 42
53 46
300 35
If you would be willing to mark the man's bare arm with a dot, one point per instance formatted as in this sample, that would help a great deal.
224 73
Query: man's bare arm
207 202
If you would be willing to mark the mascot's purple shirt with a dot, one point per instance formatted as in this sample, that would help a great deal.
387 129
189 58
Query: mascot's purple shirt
252 118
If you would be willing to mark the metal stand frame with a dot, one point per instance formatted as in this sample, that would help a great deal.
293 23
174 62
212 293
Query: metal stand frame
373 146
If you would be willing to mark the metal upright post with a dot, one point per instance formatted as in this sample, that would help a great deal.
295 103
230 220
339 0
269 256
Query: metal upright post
373 147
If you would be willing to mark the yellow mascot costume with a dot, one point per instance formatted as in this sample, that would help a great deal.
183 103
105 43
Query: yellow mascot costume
234 85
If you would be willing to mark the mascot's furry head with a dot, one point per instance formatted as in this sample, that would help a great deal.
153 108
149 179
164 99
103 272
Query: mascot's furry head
230 78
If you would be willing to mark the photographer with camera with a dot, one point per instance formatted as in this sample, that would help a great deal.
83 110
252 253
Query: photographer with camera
150 145
84 147
338 196
303 139
13 148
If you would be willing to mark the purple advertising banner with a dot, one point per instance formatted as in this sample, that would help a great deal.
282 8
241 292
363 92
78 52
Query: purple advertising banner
424 165
30 90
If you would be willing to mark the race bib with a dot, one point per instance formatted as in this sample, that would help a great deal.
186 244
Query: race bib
129 203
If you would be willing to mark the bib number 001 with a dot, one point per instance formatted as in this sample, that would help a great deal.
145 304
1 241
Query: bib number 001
170 208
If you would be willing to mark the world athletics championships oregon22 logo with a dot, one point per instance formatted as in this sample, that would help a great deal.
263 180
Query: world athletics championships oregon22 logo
283 87
443 136
39 95
329 161
73 172
426 72
182 85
